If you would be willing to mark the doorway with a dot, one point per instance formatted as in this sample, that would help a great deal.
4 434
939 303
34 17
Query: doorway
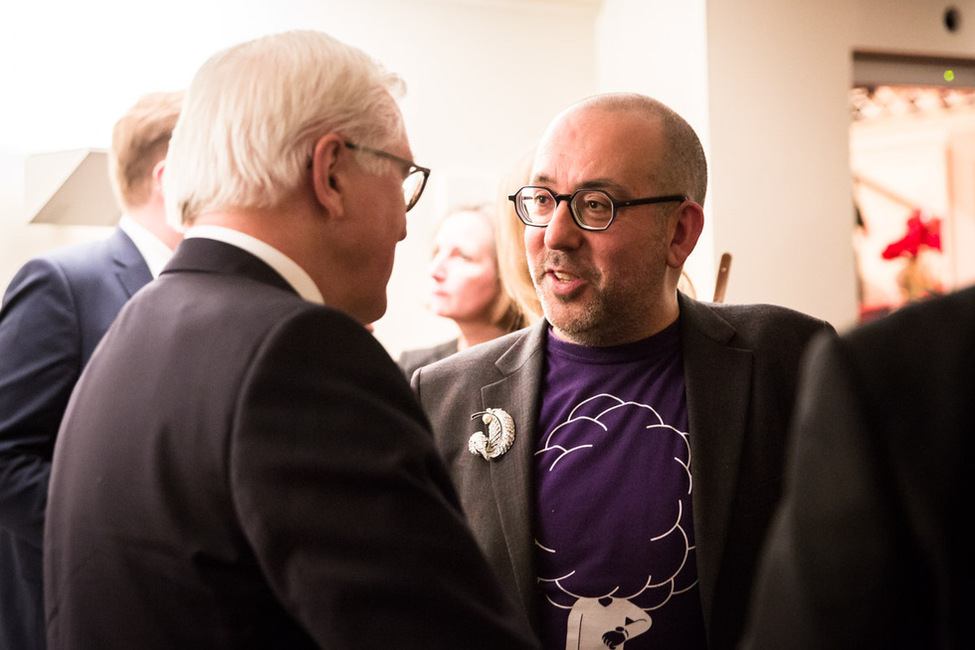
912 160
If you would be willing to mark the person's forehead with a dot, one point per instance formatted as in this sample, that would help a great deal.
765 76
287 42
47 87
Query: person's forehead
589 144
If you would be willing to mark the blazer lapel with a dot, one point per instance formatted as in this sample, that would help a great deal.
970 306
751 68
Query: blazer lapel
718 386
130 267
511 474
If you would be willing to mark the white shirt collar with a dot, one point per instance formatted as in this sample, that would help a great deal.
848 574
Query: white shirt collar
153 250
287 268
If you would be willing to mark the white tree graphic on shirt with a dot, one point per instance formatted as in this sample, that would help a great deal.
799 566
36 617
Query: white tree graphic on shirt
620 611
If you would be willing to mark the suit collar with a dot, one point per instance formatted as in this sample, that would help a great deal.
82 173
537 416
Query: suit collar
524 348
152 249
210 256
130 267
286 267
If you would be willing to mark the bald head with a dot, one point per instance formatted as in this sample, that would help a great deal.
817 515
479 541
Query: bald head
682 164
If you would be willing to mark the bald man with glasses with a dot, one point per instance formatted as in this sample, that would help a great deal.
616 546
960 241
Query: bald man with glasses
619 462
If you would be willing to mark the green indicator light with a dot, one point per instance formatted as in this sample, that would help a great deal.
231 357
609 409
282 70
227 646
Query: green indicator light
949 75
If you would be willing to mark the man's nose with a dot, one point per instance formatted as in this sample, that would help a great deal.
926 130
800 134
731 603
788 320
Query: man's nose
562 231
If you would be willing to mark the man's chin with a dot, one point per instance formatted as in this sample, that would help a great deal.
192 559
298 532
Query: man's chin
573 325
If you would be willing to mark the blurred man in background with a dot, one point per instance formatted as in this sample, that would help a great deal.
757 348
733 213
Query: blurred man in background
55 311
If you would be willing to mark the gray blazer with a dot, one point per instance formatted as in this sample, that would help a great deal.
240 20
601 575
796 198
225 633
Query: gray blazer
740 364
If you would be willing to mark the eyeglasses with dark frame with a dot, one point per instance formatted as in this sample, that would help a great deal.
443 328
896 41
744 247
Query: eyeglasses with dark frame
591 209
415 176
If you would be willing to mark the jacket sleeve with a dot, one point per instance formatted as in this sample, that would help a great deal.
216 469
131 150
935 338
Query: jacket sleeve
40 361
347 505
830 566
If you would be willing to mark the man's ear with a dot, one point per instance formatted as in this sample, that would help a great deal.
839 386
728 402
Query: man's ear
687 230
328 173
157 178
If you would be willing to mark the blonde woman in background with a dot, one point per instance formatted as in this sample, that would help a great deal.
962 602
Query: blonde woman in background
512 261
465 285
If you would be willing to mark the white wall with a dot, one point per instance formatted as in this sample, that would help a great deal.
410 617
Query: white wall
764 82
484 78
779 80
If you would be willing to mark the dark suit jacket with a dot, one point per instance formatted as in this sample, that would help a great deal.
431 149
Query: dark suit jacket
55 311
241 468
740 365
873 544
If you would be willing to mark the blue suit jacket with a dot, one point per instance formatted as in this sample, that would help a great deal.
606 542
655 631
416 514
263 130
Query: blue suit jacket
54 313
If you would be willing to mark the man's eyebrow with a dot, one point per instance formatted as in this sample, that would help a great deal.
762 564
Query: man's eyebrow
606 184
600 184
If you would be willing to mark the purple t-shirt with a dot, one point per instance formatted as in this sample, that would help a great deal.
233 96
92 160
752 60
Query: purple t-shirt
614 536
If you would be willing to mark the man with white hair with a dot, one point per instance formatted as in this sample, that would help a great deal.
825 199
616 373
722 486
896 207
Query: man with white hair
242 464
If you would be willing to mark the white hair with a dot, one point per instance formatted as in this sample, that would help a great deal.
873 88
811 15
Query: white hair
254 112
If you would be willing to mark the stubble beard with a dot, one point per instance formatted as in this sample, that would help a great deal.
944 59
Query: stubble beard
605 317
584 321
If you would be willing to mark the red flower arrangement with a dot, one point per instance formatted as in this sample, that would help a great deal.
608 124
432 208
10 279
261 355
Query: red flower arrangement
915 279
920 232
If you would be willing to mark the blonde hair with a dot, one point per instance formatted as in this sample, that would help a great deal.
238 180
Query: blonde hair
254 112
140 139
516 281
506 313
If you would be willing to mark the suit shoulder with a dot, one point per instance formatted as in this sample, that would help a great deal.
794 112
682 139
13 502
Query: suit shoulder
82 262
324 330
933 333
953 312
46 277
78 256
764 315
760 323
326 351
478 358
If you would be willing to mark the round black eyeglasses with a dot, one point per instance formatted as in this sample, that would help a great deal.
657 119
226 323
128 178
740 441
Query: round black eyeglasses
590 209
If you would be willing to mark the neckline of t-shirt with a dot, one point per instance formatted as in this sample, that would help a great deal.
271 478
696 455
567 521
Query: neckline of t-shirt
645 349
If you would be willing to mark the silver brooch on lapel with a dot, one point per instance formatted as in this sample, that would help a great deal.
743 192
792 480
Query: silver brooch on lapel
501 433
